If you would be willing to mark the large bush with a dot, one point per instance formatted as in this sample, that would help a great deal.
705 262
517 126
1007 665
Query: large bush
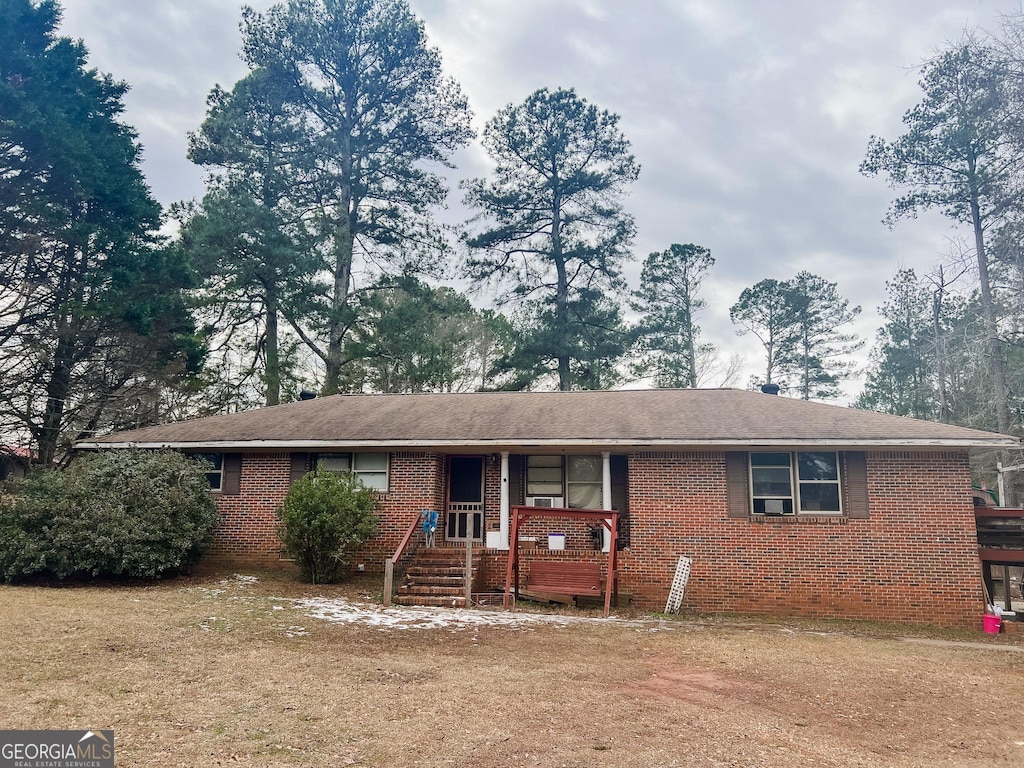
326 517
120 513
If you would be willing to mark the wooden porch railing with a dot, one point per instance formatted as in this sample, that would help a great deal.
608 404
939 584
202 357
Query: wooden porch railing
390 563
1000 534
1000 545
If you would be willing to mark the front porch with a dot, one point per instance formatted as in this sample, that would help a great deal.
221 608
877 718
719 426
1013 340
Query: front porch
418 573
481 490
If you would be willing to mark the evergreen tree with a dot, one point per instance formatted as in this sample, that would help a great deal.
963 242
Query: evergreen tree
551 235
901 378
379 116
668 299
798 323
414 338
764 310
818 363
92 321
960 154
249 238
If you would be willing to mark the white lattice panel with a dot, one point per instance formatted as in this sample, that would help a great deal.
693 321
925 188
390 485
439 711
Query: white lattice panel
675 595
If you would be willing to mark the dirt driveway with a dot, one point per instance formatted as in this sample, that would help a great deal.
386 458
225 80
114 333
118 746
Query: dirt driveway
262 671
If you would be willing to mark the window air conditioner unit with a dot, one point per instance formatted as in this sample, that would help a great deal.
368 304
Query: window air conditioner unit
544 501
773 507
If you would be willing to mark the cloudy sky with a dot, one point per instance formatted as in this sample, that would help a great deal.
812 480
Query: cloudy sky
749 117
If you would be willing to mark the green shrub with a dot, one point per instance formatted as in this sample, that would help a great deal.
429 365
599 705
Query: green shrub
119 513
326 517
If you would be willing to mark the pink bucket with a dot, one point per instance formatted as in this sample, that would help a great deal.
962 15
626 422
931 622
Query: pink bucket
991 623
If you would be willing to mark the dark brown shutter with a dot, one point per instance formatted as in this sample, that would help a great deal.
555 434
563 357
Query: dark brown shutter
231 481
619 467
515 480
619 472
300 466
737 489
855 484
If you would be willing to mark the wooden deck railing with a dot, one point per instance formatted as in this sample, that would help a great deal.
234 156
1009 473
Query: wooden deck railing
1000 534
1000 546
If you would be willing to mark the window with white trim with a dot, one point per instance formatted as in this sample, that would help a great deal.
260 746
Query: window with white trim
544 476
584 482
804 482
371 469
214 466
578 479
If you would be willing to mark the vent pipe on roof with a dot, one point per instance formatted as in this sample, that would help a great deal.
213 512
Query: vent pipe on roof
306 395
770 389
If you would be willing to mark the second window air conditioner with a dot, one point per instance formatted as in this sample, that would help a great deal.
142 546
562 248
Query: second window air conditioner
545 501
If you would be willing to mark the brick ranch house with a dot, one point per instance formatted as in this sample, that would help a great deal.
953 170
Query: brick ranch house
785 507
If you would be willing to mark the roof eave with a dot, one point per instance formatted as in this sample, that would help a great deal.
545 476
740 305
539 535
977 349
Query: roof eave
974 444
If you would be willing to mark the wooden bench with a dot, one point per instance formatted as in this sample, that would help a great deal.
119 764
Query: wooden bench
561 582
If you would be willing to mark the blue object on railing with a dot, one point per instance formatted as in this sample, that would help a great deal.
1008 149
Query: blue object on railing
430 517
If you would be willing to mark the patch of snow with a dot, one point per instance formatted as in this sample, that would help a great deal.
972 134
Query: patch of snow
240 580
342 611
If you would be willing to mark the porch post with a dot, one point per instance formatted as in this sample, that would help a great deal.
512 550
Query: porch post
503 508
606 495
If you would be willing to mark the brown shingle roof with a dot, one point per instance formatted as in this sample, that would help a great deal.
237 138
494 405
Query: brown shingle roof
491 420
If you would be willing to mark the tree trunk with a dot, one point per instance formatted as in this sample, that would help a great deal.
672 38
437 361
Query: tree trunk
691 347
273 374
344 243
57 389
940 350
561 294
997 368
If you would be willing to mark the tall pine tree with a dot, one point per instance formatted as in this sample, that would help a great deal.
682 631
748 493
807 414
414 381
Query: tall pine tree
552 234
92 321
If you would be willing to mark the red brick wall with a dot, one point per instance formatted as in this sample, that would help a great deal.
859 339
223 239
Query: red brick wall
914 559
492 494
416 483
247 532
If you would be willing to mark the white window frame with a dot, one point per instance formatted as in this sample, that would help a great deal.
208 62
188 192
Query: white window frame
795 482
217 469
564 466
545 463
569 481
352 464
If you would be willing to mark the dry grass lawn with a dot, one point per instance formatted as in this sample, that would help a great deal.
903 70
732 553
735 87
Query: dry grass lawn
227 671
